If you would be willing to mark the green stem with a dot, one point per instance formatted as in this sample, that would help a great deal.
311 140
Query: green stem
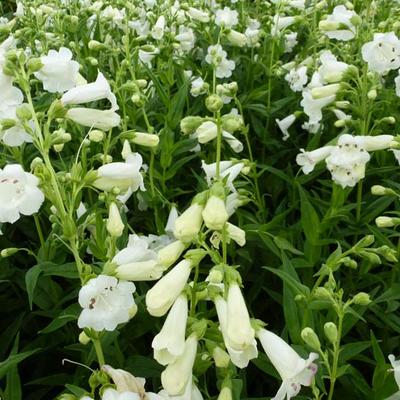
219 145
99 351
39 230
359 200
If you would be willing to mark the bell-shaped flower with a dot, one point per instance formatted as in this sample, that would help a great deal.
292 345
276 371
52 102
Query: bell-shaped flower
339 25
59 72
235 144
313 107
177 374
297 78
206 132
188 224
125 176
331 70
226 18
379 142
309 159
217 57
169 343
105 302
198 15
236 234
280 23
112 394
163 294
229 169
383 53
293 370
239 357
93 118
215 214
191 392
19 193
98 90
137 262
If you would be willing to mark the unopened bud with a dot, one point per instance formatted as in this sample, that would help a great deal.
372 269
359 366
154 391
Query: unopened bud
331 332
214 103
96 135
221 357
362 299
115 226
8 252
83 338
372 94
311 338
386 222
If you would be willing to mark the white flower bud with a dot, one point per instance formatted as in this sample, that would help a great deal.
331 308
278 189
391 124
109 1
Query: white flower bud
214 214
188 224
221 357
115 226
145 139
170 253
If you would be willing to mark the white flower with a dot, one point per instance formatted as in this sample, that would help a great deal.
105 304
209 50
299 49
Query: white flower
239 332
188 224
347 160
383 53
147 53
313 107
214 214
59 72
186 38
290 41
177 375
92 118
293 370
198 15
380 142
239 357
236 38
105 302
396 368
191 392
297 78
253 32
163 294
280 23
158 29
198 87
284 124
308 159
235 233
6 45
206 132
235 144
226 18
169 254
331 70
227 169
169 343
115 226
216 56
141 27
100 89
335 22
137 262
19 193
126 176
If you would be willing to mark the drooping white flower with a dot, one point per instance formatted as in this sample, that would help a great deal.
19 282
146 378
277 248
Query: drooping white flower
177 374
93 118
309 159
235 144
297 78
284 125
228 169
59 72
382 53
100 89
280 23
186 38
105 302
127 386
147 53
206 132
396 368
163 294
191 392
217 57
198 15
226 18
19 193
334 24
331 70
169 343
293 370
239 357
313 107
137 262
126 176
158 29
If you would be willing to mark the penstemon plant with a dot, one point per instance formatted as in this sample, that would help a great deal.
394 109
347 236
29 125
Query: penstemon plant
168 227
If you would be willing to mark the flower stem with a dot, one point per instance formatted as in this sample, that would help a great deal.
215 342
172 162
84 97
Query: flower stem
99 351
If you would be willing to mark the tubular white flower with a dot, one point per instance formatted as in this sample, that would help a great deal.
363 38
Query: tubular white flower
59 72
169 344
240 358
235 144
284 125
137 262
122 175
331 70
239 332
380 142
309 159
158 29
294 370
105 302
333 25
163 294
280 23
198 15
382 53
297 78
170 253
206 132
235 233
177 375
236 38
100 89
188 224
313 107
226 18
19 193
93 118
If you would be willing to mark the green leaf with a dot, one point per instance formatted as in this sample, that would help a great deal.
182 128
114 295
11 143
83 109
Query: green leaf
14 360
31 278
